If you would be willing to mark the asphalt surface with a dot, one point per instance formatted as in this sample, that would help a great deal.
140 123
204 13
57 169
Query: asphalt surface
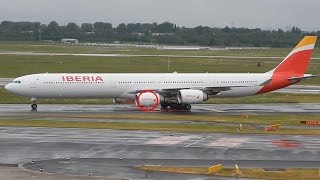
52 110
113 153
127 168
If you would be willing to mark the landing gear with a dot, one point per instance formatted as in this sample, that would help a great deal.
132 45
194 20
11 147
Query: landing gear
164 105
187 106
34 106
180 106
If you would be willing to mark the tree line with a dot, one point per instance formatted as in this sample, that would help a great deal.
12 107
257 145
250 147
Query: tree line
163 33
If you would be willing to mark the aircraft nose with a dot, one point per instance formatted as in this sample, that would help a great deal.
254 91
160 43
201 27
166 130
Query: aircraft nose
8 87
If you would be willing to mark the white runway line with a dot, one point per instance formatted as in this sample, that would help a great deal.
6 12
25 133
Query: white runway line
169 140
208 109
309 90
229 142
203 139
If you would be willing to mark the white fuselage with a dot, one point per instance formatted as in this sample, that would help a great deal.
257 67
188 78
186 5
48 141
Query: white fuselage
120 85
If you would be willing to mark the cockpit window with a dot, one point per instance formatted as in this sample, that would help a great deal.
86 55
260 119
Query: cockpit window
16 82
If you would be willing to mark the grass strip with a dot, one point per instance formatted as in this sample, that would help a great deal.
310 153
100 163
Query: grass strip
283 119
202 128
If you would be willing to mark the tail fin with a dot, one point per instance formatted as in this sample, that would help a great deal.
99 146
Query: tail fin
296 63
291 70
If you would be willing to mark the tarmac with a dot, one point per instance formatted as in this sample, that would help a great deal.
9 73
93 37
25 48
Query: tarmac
24 110
71 153
115 153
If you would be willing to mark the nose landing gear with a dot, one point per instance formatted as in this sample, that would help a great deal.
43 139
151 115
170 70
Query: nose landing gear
34 106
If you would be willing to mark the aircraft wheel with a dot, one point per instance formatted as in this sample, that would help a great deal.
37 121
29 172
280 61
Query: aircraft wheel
173 106
187 106
164 105
34 107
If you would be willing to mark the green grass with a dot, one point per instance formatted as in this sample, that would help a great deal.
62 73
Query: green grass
47 47
293 120
203 128
18 65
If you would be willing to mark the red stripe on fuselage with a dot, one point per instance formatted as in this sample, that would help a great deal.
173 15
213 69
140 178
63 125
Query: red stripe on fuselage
294 66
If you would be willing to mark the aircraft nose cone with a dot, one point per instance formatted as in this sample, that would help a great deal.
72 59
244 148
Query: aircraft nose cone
8 87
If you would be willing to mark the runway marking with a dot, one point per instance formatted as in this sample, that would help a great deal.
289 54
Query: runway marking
214 110
228 142
170 140
203 139
309 90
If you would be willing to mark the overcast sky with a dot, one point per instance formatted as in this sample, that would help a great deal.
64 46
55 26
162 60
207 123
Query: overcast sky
219 13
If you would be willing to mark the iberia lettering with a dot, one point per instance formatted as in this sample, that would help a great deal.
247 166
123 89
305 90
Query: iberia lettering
82 78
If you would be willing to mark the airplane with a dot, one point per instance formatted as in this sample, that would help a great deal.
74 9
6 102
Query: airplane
174 90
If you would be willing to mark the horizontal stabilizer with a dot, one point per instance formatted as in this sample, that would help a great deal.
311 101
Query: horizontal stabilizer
305 76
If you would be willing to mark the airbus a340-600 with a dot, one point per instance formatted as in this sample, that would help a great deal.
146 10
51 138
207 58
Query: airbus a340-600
177 90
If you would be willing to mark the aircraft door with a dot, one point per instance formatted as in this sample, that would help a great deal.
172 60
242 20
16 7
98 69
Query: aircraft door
33 83
113 83
210 80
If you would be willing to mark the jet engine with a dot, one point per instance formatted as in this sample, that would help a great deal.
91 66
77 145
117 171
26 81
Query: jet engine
147 99
191 96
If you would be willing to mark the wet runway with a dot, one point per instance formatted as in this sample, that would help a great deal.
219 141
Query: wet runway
52 110
127 168
103 151
115 153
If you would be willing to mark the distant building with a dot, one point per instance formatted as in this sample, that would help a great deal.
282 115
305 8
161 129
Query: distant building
163 34
138 34
69 41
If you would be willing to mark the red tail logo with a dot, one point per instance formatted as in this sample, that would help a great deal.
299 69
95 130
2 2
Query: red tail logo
294 65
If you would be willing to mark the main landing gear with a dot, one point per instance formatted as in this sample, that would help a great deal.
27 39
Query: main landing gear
175 106
34 106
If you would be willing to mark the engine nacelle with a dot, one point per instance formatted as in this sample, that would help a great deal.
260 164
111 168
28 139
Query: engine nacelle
148 99
122 101
191 96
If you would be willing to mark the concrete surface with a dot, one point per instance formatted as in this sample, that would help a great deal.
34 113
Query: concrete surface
15 173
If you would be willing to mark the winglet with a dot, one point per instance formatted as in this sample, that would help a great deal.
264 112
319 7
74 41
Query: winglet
307 40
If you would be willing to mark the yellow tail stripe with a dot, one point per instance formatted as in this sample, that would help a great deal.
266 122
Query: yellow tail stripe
307 41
